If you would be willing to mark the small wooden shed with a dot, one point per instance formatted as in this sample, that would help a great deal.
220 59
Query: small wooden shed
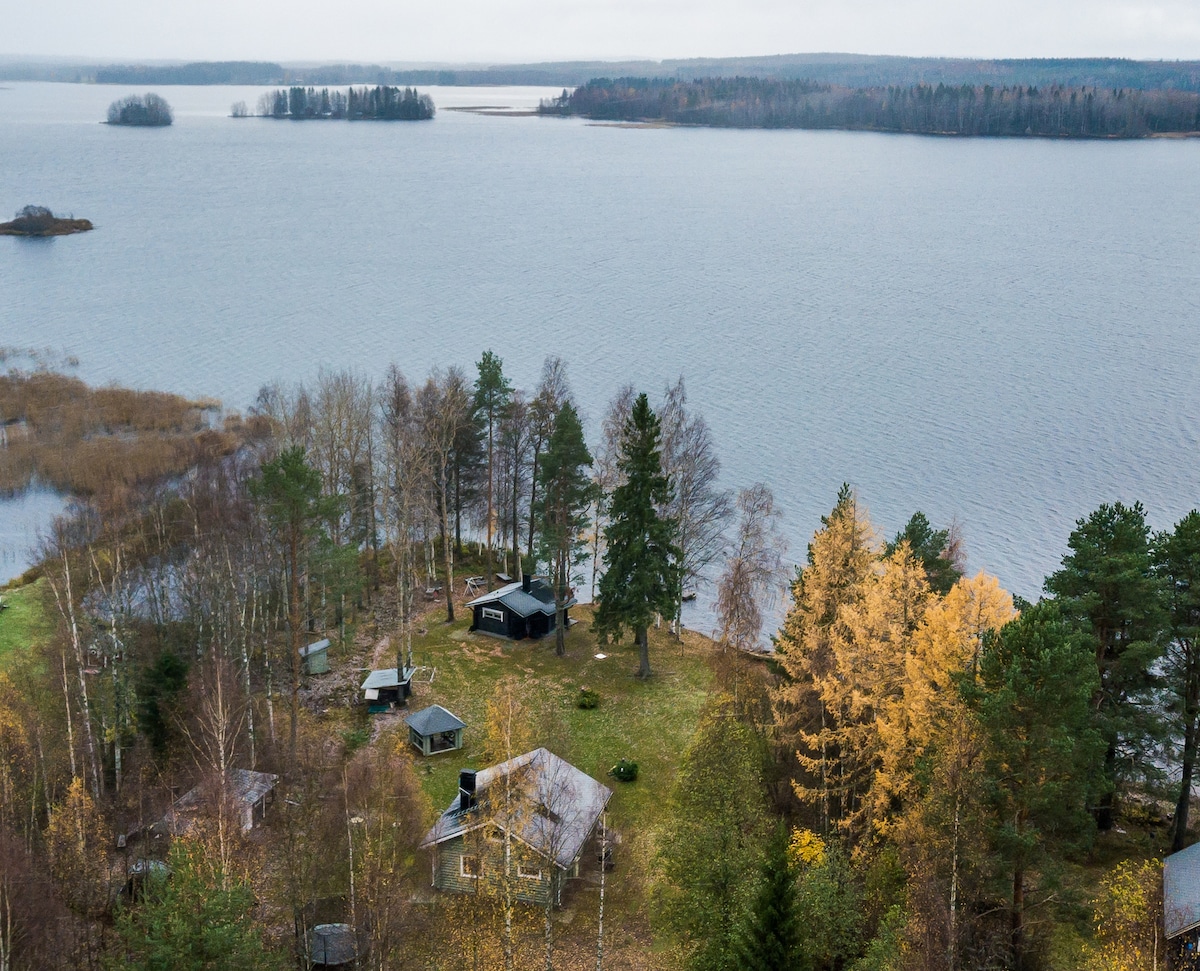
435 729
315 657
388 686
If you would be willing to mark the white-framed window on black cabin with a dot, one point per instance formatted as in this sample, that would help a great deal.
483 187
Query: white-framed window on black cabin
491 613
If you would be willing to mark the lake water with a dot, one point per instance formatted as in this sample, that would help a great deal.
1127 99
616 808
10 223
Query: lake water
998 331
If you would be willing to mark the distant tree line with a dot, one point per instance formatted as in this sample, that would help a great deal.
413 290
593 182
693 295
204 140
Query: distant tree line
850 70
926 109
149 110
381 103
203 72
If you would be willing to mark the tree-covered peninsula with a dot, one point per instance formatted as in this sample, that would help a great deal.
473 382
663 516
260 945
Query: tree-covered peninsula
380 103
925 773
149 111
1055 111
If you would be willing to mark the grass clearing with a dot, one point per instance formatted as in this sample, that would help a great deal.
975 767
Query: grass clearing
24 622
649 722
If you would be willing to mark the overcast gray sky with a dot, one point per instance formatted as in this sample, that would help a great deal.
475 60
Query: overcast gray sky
530 30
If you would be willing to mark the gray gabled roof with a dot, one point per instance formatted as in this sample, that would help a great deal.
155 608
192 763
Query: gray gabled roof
386 678
1181 891
433 721
556 811
539 599
316 648
245 786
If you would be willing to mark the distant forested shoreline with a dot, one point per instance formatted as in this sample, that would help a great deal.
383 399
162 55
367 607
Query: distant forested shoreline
849 70
1055 111
381 103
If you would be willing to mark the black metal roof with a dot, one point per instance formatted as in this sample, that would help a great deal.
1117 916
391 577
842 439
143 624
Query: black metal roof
538 600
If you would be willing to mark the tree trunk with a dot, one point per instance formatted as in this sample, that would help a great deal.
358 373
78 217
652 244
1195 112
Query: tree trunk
1105 810
532 498
294 624
1018 920
642 635
1185 783
448 561
491 509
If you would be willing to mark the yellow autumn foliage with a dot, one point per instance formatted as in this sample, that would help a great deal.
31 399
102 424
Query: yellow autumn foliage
806 848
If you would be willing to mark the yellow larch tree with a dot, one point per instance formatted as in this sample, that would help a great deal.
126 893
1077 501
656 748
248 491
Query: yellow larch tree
926 714
872 645
840 559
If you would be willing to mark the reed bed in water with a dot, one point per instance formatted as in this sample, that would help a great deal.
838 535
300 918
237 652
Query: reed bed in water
93 441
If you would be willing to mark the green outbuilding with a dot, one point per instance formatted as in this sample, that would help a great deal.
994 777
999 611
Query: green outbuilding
315 657
435 729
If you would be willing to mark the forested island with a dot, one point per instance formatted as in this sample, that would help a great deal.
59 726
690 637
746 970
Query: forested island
926 774
143 111
1054 111
40 221
380 103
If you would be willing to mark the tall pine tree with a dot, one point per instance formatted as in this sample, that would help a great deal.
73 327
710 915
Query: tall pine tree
1031 697
492 392
641 560
1107 591
1177 563
561 509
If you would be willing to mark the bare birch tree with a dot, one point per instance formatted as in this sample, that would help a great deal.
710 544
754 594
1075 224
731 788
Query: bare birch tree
697 504
753 578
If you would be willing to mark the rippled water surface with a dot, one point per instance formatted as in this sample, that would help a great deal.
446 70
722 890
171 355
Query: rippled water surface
1002 331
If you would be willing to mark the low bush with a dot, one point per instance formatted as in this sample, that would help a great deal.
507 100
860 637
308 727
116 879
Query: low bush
625 770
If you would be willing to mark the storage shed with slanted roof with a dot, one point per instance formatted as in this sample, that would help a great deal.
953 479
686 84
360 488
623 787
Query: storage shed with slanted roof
315 657
435 729
387 686
517 611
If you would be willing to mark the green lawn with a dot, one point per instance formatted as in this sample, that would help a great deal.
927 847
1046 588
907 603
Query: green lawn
649 722
24 622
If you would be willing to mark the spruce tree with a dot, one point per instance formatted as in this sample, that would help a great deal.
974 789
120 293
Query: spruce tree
641 559
561 509
769 937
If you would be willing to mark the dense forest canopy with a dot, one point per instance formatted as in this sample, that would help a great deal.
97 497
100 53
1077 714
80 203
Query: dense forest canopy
742 102
381 103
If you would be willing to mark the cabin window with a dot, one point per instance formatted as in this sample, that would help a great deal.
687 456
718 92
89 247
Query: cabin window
468 866
491 613
528 872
